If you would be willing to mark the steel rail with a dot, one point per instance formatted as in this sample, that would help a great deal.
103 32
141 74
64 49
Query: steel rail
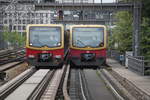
84 88
8 88
55 85
81 84
7 52
4 68
11 54
78 86
7 58
108 84
65 93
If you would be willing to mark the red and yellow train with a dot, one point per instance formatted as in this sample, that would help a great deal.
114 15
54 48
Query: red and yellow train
87 45
45 45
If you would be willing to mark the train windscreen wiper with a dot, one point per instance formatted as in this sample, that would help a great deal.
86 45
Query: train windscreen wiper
81 42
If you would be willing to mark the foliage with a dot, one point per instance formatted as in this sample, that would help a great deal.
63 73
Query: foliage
122 33
145 37
13 38
145 30
146 8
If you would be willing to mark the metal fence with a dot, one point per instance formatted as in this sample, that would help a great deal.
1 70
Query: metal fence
137 64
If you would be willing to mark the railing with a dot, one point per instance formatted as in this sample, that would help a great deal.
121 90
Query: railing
137 64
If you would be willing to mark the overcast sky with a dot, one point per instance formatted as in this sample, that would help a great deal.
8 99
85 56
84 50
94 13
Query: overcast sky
104 1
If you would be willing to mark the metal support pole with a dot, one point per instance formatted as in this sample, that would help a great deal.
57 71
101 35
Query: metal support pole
136 28
1 30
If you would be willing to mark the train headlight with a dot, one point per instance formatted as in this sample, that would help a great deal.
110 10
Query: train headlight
101 44
59 44
31 56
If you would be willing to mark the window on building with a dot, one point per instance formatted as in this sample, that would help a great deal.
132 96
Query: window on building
10 27
24 27
5 21
14 28
41 15
19 27
28 21
32 22
24 21
10 21
46 15
19 22
28 15
33 15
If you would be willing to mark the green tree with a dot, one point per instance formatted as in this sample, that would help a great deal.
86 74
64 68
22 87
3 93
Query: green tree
122 33
13 38
146 8
145 29
145 38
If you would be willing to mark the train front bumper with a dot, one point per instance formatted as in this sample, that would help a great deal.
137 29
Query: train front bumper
97 62
51 63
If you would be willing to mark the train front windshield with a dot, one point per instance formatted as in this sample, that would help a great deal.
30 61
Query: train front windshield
40 36
88 37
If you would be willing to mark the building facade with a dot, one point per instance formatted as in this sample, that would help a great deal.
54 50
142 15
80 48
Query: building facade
17 18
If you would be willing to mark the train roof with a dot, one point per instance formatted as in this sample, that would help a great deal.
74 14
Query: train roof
87 26
44 25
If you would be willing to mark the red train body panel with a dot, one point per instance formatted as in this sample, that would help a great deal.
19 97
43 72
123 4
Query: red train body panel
76 57
59 52
77 53
56 59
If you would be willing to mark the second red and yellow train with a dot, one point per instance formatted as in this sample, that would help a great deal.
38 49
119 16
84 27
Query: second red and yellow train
87 45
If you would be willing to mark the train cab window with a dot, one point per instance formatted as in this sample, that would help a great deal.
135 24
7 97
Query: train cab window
45 36
88 37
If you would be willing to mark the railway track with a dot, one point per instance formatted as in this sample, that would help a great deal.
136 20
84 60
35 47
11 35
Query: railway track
78 86
10 86
11 70
88 84
34 85
10 59
56 84
11 55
